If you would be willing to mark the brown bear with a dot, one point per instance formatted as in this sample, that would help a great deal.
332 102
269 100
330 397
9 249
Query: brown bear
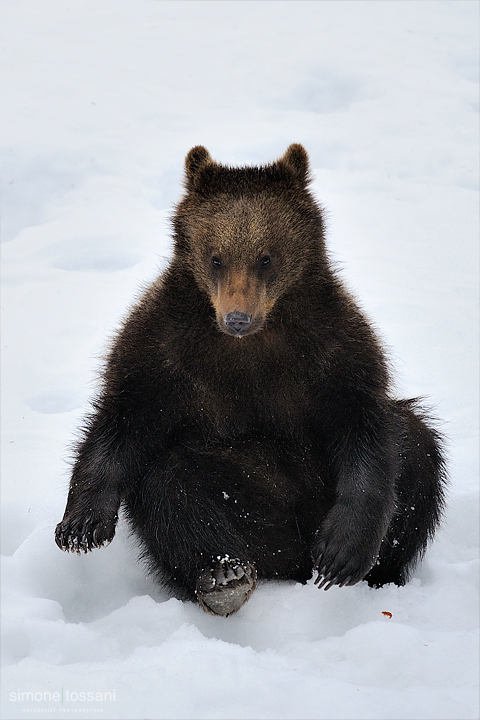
245 422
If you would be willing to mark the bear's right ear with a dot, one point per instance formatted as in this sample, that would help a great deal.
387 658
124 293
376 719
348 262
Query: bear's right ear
196 159
296 159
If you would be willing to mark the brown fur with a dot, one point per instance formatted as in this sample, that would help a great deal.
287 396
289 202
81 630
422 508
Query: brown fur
246 406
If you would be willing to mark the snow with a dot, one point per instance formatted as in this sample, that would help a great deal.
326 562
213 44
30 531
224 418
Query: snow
101 102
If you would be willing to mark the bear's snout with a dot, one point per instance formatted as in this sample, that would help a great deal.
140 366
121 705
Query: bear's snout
237 322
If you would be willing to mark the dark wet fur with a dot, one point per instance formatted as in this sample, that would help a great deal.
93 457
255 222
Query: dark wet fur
285 448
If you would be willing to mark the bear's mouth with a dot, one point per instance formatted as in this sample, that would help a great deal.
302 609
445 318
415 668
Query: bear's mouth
239 324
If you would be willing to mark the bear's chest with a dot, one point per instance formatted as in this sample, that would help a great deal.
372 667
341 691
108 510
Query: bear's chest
234 403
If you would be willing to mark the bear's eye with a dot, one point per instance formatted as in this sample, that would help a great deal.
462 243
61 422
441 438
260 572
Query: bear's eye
265 260
216 262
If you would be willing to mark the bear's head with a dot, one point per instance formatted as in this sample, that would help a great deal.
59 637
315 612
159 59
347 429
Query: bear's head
248 234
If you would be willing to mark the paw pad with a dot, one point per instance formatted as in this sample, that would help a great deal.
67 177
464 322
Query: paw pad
223 588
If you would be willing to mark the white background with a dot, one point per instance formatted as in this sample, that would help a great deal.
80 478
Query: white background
101 100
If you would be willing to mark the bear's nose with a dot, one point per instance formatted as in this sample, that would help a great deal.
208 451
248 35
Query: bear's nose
237 322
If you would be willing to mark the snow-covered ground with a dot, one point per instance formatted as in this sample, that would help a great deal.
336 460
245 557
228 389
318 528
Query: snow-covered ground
101 101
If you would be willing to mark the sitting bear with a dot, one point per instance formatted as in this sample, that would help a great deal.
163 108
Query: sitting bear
245 422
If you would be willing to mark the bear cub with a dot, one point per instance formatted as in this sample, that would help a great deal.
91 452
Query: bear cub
245 422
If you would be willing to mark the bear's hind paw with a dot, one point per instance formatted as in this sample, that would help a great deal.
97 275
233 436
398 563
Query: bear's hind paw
223 588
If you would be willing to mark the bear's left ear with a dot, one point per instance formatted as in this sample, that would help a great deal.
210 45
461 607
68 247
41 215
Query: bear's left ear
296 159
196 159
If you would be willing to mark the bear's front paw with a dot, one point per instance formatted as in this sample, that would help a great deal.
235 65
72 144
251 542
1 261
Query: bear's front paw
223 588
342 557
81 534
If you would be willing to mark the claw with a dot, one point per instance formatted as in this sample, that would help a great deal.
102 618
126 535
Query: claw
324 580
81 535
332 582
321 572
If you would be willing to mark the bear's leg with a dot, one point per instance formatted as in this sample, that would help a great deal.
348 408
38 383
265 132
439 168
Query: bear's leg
420 491
210 523
106 466
93 503
182 520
